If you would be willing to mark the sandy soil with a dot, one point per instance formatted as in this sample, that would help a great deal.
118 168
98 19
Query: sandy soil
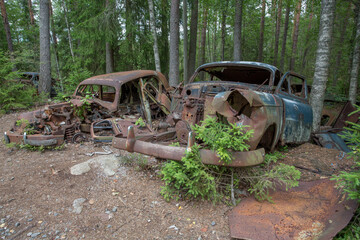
37 193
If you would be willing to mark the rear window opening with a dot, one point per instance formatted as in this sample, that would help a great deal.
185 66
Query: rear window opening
244 74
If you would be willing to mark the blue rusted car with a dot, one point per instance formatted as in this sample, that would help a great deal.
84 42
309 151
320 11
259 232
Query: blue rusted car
274 104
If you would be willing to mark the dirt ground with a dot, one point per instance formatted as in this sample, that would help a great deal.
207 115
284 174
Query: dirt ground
37 193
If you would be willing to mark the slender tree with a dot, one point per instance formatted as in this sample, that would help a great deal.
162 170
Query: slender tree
295 35
45 64
109 58
286 27
31 13
184 18
223 29
7 30
203 40
55 45
68 30
277 32
174 43
322 61
153 30
237 30
262 27
354 75
308 34
343 28
193 37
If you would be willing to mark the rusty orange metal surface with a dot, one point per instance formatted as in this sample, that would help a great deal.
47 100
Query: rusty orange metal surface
314 210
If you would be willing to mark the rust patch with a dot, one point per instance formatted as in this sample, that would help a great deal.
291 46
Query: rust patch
314 210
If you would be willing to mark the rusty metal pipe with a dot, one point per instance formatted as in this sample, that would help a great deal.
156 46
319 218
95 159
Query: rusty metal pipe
240 159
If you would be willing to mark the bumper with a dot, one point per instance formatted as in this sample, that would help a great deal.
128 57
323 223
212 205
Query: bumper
240 159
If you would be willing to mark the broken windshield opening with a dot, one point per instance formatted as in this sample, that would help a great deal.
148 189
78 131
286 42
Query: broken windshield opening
245 74
102 92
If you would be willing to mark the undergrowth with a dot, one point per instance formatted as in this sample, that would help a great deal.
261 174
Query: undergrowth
190 178
349 182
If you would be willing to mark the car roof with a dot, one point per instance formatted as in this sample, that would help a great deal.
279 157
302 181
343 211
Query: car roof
124 77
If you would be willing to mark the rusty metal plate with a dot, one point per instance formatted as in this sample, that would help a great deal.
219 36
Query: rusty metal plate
314 210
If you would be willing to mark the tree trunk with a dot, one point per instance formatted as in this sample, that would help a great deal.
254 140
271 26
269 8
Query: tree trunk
109 59
45 64
355 62
237 30
262 27
153 30
203 42
277 32
223 30
184 17
54 38
343 27
174 43
307 40
193 38
214 55
164 37
31 13
322 61
68 30
7 31
295 35
286 27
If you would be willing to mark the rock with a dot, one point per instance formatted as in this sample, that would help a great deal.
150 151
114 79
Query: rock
44 236
108 164
12 178
29 234
114 209
34 235
56 214
77 205
91 201
17 224
173 227
109 226
213 223
80 168
57 232
30 219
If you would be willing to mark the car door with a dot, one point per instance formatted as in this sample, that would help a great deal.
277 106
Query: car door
298 116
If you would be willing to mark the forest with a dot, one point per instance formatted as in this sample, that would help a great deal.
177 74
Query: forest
94 37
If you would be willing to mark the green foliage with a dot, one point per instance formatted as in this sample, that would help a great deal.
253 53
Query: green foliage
35 148
349 182
265 180
81 111
220 137
14 95
27 127
140 122
77 74
188 178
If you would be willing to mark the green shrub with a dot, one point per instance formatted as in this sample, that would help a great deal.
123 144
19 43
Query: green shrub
190 178
349 182
220 137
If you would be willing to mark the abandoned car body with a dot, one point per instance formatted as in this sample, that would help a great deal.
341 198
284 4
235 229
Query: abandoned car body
122 95
244 93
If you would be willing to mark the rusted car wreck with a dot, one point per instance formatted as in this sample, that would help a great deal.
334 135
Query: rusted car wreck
244 93
121 95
